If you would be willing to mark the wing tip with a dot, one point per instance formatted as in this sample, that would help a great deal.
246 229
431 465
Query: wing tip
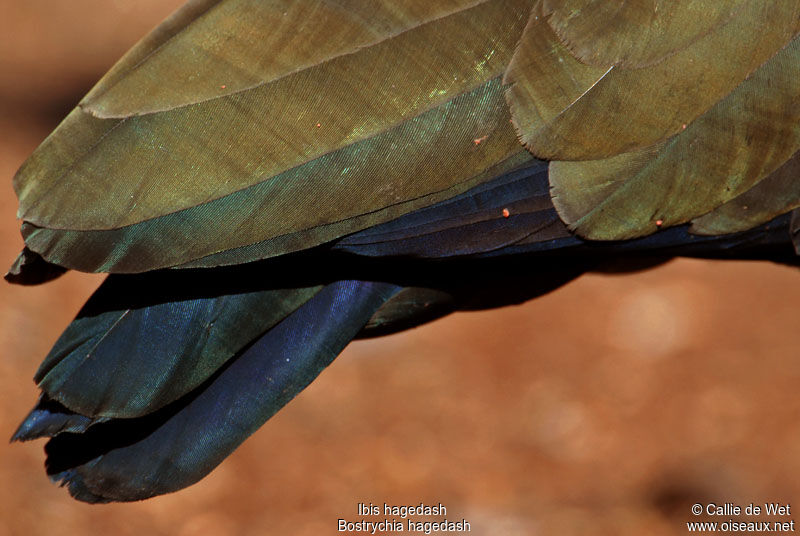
50 418
77 487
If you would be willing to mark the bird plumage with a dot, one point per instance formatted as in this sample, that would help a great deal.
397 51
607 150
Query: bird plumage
264 192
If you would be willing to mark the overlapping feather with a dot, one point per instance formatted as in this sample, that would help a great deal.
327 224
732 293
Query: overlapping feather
241 155
132 459
378 137
641 145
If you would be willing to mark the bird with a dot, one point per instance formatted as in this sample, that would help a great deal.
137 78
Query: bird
265 181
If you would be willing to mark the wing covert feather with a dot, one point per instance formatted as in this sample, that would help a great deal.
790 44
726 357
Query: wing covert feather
725 152
279 221
635 33
124 171
777 194
567 110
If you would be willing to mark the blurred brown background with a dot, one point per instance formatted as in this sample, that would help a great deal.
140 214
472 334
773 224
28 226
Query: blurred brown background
607 407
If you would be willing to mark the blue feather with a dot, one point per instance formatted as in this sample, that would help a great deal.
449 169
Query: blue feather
144 341
132 459
512 215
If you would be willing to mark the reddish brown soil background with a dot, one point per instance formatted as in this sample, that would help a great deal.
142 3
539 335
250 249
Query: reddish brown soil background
607 407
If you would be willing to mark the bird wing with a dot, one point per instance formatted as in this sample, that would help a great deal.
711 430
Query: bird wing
317 171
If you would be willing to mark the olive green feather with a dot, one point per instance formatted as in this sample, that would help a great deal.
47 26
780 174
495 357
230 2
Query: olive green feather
567 110
123 171
725 152
634 33
199 174
290 213
777 194
224 47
